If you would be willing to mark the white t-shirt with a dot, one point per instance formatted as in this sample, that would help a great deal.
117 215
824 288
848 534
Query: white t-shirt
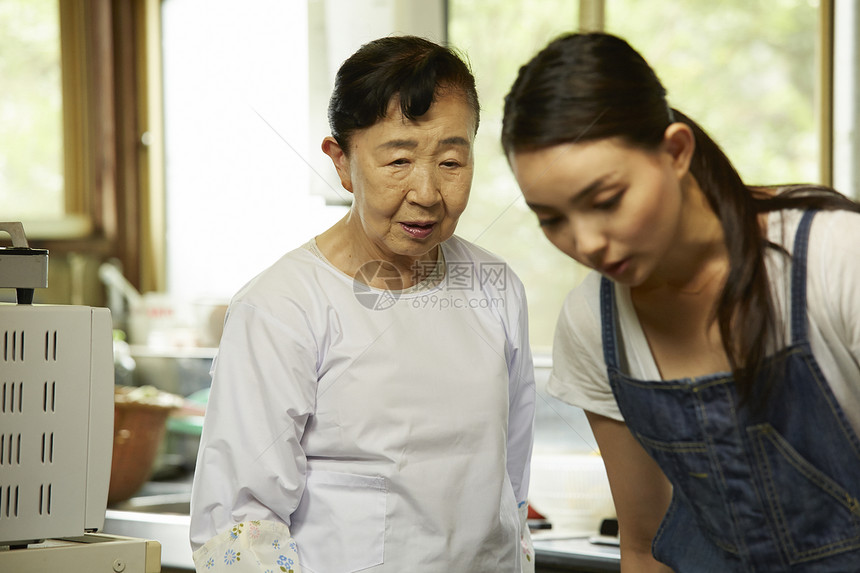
833 309
389 431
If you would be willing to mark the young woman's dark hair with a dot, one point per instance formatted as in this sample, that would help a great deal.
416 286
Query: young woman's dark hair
587 87
412 69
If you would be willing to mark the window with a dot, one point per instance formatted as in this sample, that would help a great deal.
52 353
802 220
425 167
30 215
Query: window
231 138
746 71
57 153
236 142
31 111
72 162
245 95
499 36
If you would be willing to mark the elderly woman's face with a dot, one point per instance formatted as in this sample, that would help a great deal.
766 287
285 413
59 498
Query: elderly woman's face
411 179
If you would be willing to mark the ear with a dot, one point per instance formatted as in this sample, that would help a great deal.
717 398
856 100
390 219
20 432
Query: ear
680 143
338 156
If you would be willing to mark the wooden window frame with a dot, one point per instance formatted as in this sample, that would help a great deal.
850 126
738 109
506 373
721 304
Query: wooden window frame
112 138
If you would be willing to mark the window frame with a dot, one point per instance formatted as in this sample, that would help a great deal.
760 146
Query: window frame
112 143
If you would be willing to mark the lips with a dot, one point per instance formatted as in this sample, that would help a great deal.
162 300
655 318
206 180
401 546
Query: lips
615 269
418 229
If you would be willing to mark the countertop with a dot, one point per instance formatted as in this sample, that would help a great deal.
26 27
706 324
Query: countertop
574 554
160 512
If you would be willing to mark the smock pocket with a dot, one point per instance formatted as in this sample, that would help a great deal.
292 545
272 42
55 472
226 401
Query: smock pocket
697 485
813 515
339 525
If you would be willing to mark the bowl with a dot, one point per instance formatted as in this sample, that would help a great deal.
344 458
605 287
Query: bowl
140 422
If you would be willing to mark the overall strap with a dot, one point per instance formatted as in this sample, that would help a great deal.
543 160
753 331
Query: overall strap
798 296
798 279
607 318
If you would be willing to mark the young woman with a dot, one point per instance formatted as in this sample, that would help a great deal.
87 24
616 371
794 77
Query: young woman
716 350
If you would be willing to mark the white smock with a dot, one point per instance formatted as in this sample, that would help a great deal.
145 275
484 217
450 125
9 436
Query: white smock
833 307
382 430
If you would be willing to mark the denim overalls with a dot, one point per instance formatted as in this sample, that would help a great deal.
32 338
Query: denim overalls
768 489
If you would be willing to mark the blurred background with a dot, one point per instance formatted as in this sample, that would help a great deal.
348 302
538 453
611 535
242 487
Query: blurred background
166 151
179 139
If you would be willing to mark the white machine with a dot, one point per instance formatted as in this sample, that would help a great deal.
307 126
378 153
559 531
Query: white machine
56 427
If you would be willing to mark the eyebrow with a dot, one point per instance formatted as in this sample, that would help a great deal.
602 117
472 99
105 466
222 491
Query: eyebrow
595 185
455 140
412 144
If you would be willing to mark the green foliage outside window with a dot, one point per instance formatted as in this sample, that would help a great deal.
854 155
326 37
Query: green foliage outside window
31 111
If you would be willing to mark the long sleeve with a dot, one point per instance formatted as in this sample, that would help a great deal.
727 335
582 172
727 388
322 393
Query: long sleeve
522 396
251 466
521 420
384 439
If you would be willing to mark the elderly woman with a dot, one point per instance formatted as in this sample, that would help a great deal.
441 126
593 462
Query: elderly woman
372 400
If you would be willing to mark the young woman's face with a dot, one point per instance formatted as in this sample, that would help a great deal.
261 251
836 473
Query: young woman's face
411 179
611 207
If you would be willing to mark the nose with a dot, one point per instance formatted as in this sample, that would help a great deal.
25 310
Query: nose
589 242
424 188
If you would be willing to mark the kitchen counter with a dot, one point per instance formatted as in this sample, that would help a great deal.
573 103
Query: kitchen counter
160 511
574 555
